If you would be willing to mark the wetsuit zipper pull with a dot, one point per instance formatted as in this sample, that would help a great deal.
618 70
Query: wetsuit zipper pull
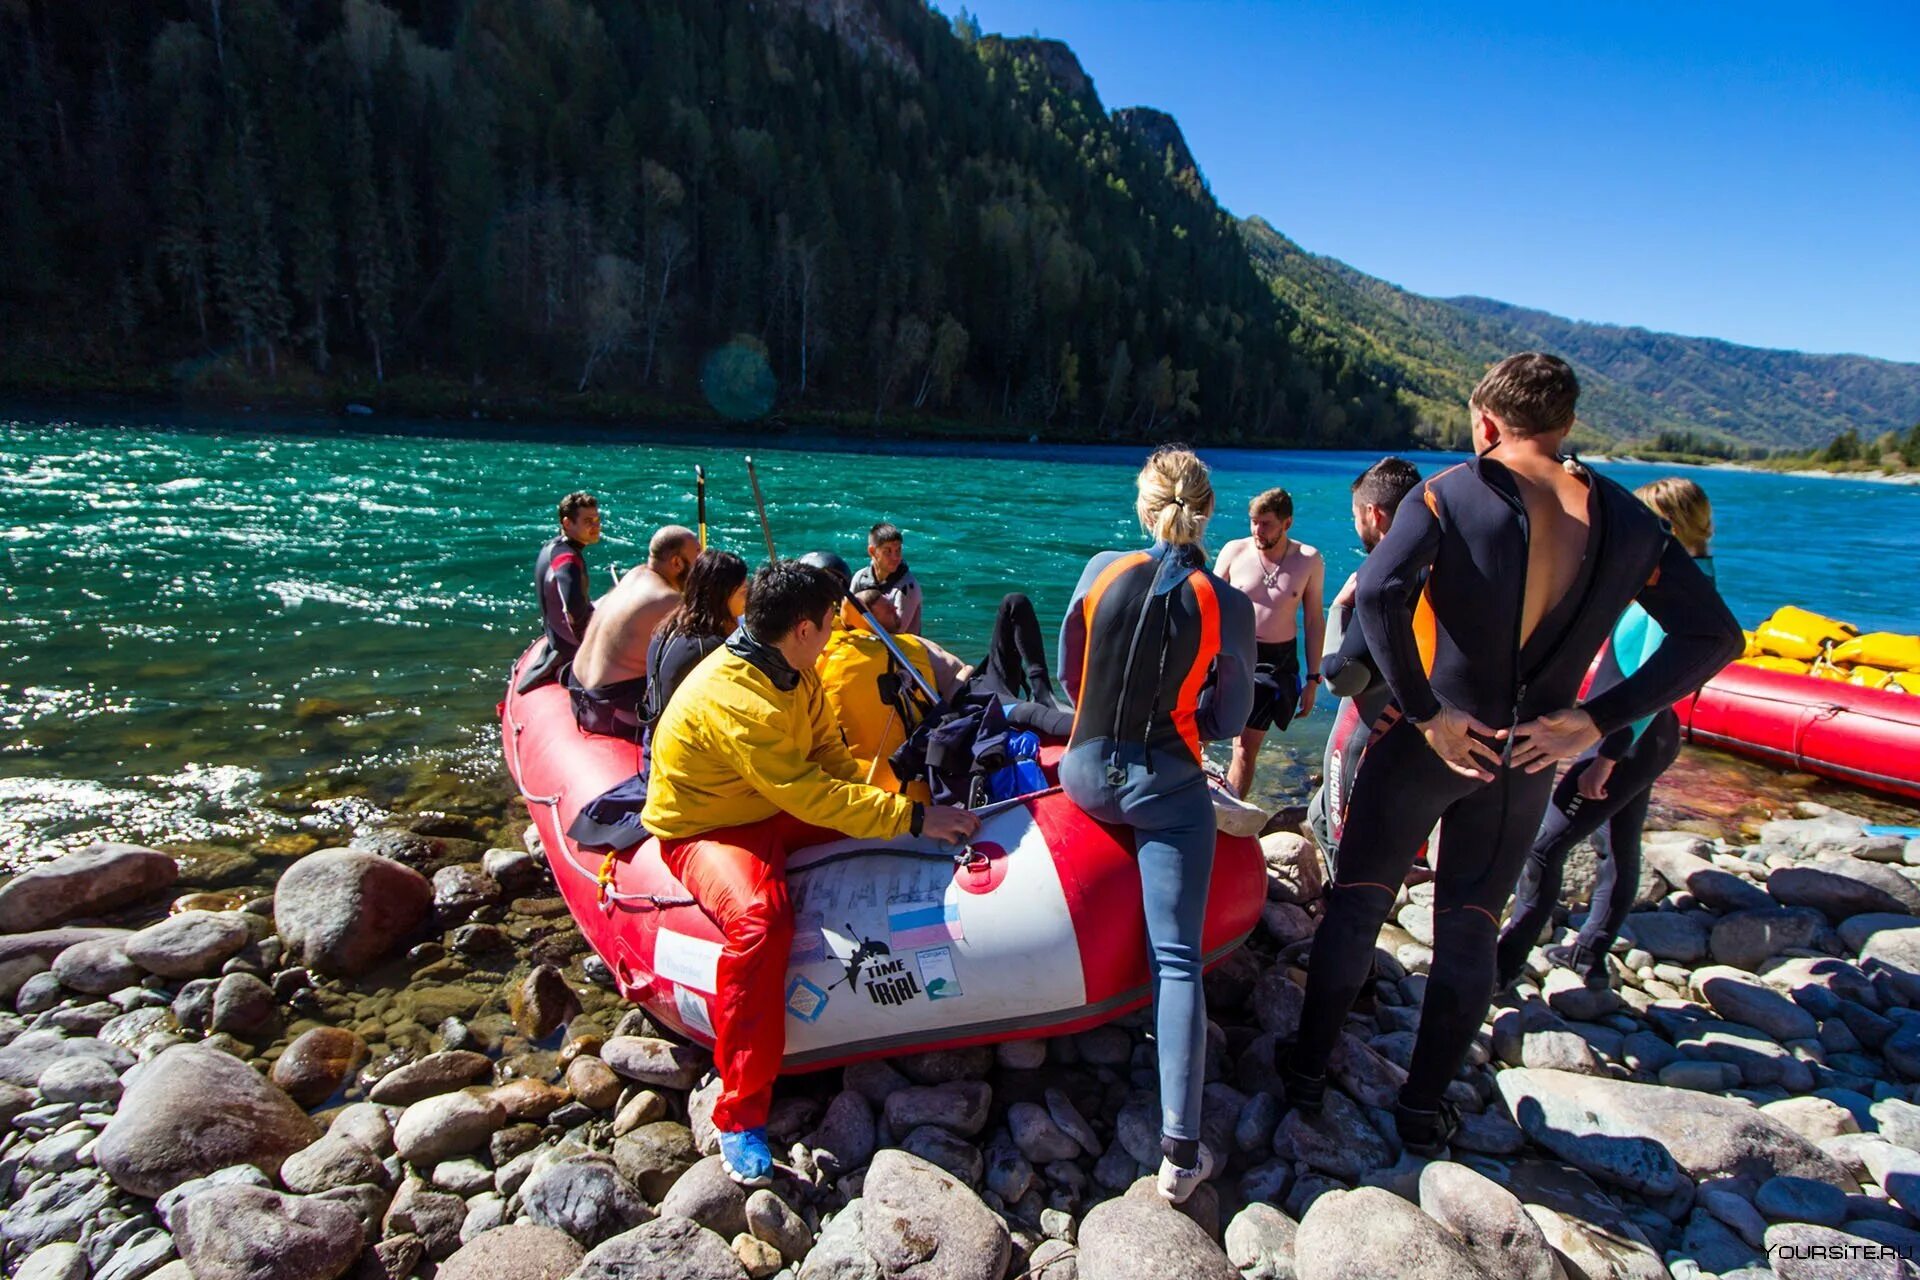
1519 700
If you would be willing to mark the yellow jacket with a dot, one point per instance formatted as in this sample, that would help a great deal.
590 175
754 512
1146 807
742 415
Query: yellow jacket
850 669
733 749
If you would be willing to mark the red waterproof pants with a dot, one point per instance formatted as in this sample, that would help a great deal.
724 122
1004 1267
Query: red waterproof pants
739 876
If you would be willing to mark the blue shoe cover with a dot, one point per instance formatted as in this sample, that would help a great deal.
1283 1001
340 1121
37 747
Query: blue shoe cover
745 1156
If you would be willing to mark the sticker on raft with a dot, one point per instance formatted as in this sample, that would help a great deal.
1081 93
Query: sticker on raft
809 939
805 1001
936 973
923 922
693 1010
890 983
687 961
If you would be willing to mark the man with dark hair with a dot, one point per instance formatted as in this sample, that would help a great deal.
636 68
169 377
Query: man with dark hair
1377 492
1284 579
560 577
608 679
887 569
1482 607
748 766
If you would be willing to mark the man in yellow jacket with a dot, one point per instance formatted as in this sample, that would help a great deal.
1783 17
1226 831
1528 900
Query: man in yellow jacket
748 765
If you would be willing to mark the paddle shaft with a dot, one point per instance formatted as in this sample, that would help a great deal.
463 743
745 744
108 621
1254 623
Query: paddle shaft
700 496
760 505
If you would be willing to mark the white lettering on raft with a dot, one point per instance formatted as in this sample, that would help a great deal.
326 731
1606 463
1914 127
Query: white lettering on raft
689 961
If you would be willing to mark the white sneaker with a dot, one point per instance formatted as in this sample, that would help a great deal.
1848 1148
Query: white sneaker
1176 1184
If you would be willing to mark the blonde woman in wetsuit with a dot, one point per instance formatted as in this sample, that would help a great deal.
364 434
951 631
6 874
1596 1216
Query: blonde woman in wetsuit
1158 655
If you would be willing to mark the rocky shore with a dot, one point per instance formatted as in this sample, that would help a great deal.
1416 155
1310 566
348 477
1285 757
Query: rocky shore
396 1058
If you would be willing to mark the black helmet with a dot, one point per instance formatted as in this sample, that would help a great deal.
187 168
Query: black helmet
832 563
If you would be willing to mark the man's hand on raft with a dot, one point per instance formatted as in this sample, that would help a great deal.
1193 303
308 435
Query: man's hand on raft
1558 735
948 824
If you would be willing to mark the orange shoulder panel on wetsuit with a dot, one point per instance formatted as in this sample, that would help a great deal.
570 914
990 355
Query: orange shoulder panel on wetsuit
1186 711
1089 606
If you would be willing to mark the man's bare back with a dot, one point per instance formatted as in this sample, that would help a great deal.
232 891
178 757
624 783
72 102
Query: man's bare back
1557 536
615 647
1276 590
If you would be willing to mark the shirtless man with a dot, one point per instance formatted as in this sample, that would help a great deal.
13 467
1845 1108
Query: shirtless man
1284 579
1482 607
608 679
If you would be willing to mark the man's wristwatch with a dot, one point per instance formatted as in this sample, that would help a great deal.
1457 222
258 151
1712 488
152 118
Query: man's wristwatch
918 820
1313 677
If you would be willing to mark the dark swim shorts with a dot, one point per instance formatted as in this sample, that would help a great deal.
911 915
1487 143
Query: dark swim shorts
1276 685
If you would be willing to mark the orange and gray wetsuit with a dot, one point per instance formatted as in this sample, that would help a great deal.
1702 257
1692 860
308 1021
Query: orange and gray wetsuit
1158 655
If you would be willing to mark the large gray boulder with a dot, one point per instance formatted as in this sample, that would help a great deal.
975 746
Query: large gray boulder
1844 887
1489 1220
193 1110
1885 946
586 1197
664 1247
1682 867
342 911
88 882
22 955
1748 939
1363 1234
522 1251
1143 1238
192 944
1740 997
252 1233
921 1221
1653 1139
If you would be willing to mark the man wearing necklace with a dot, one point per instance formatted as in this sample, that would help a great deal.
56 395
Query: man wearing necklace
1284 579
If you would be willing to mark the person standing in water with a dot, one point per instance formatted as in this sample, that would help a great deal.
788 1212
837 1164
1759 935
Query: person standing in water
560 577
1482 608
1606 792
1284 579
608 679
1157 655
886 569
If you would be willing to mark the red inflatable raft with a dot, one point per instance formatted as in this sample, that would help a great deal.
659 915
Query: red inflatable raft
1870 737
898 946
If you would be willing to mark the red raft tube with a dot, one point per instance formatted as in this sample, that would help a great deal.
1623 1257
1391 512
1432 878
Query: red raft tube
1868 737
899 946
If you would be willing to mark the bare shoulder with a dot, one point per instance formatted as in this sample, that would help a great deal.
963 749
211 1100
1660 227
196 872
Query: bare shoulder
1311 555
1233 550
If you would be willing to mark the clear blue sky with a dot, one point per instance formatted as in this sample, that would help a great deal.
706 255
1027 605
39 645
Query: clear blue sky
1749 171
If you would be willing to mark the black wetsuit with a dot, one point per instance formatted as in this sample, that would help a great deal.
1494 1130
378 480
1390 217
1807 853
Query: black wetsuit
1015 670
560 579
1452 638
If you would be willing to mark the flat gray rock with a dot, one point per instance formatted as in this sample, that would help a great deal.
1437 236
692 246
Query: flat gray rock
1843 887
1738 996
1677 936
522 1251
586 1197
342 911
194 1110
1748 939
651 1061
665 1247
251 1233
192 944
706 1195
87 882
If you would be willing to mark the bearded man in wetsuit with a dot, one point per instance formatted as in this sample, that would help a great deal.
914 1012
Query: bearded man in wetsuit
560 578
1283 579
1482 608
608 679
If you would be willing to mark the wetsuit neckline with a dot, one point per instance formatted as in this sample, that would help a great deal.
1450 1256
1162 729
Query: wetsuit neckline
764 658
1174 564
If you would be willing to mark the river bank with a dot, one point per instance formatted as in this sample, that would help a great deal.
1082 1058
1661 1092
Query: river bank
424 1072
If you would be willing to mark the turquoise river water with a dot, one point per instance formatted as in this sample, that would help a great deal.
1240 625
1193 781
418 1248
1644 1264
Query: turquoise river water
203 612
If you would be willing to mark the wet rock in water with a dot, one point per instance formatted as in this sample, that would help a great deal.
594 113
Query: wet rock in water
419 851
660 1063
243 1007
1748 939
529 1099
593 1082
1351 1235
1739 997
1260 1243
80 1080
448 1124
1340 1141
1844 887
87 882
336 1160
341 911
922 1222
542 1002
1145 1238
435 1074
584 1196
523 1251
771 1219
654 1156
709 1197
460 891
97 967
249 1233
194 1110
192 944
846 1131
1489 1220
317 1063
515 870
1645 1136
665 1247
960 1107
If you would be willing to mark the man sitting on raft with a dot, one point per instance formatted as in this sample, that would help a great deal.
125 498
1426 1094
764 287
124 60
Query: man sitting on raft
887 569
749 765
609 676
561 584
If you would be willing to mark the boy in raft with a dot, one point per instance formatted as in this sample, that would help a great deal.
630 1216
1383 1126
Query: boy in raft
1606 792
608 679
748 766
887 569
560 579
1377 493
1482 608
1284 579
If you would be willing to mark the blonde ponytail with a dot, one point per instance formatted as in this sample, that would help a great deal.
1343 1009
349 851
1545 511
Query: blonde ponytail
1176 496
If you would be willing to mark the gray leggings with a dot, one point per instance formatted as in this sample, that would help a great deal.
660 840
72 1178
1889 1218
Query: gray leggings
1173 830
